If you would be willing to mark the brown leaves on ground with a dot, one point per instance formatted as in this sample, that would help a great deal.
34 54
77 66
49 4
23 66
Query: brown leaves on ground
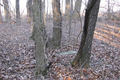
17 59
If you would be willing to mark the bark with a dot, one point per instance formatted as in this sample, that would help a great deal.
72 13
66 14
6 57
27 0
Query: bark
57 24
83 56
17 12
70 18
1 21
67 7
43 23
29 8
6 10
77 6
38 35
44 17
109 16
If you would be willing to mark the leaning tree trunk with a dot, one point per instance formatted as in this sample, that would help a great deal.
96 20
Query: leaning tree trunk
57 23
83 56
6 10
38 36
17 12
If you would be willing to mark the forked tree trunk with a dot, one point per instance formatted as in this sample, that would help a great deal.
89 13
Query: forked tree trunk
57 24
83 56
38 36
6 10
17 12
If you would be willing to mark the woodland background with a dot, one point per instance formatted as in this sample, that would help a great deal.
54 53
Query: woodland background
17 50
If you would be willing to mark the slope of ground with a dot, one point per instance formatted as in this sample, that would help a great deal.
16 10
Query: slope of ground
17 59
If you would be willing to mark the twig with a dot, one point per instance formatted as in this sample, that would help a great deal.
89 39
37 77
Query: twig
1 5
50 63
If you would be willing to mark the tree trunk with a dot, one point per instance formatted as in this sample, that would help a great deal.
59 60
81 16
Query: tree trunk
83 56
1 21
109 16
77 7
70 18
57 24
17 12
43 24
43 9
67 10
29 10
38 34
6 10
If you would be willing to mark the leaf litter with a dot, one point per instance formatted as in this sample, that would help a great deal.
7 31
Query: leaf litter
17 58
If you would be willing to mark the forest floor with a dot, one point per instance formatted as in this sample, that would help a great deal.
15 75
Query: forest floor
17 58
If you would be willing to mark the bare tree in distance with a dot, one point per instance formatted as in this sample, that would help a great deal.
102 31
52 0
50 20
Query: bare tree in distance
78 4
17 12
67 7
57 23
6 10
70 18
1 21
29 10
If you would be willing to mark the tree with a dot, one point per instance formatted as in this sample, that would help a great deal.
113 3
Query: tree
67 7
57 23
17 12
77 6
0 13
38 37
29 9
70 18
83 55
6 10
109 16
43 9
